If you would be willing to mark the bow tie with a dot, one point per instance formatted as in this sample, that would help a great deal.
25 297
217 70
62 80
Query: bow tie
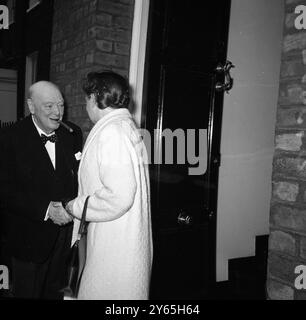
52 138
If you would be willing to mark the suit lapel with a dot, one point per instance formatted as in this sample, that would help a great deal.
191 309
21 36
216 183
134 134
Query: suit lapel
60 152
65 161
64 151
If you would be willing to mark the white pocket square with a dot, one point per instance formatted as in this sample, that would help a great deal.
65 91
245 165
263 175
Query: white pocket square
78 156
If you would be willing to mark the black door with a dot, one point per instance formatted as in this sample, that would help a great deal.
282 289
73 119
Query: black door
187 40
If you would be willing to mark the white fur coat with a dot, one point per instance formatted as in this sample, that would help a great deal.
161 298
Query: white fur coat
114 172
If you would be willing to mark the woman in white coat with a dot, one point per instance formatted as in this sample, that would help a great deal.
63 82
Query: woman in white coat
114 172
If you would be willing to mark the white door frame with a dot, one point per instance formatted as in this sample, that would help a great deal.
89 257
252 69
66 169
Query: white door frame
138 52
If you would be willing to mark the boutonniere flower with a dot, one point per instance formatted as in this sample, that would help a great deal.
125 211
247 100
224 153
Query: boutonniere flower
78 156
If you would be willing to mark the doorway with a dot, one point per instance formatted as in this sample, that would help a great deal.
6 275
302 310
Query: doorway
187 41
8 93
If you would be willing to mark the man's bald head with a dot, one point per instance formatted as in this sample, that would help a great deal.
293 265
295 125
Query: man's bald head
41 87
46 105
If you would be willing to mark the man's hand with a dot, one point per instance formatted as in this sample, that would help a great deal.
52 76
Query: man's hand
58 214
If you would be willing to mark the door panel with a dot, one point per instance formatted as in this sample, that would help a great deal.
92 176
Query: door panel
185 107
186 42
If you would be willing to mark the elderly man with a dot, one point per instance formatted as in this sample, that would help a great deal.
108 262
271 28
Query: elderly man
38 171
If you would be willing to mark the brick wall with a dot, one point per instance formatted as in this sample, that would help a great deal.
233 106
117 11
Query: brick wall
287 242
88 35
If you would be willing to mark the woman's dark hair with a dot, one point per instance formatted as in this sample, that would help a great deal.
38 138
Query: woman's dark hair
110 89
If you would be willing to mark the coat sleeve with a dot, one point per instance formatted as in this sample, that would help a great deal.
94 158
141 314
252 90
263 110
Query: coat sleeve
16 201
117 179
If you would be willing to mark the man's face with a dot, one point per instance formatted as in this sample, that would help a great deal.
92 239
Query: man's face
47 107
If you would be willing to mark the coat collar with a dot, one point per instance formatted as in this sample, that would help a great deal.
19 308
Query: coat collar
110 117
102 123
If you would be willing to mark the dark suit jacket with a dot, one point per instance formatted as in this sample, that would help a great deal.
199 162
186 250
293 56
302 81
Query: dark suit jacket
28 182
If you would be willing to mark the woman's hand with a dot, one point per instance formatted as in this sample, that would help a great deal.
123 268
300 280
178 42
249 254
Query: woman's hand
69 207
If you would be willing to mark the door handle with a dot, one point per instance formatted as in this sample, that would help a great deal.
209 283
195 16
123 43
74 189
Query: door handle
225 69
184 219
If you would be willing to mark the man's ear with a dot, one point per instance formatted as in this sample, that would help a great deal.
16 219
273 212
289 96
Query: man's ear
31 106
93 97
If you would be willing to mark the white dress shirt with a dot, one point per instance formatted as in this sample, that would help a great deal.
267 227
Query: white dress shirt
50 147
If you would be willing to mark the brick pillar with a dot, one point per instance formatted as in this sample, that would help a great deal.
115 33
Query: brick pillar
88 35
287 243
